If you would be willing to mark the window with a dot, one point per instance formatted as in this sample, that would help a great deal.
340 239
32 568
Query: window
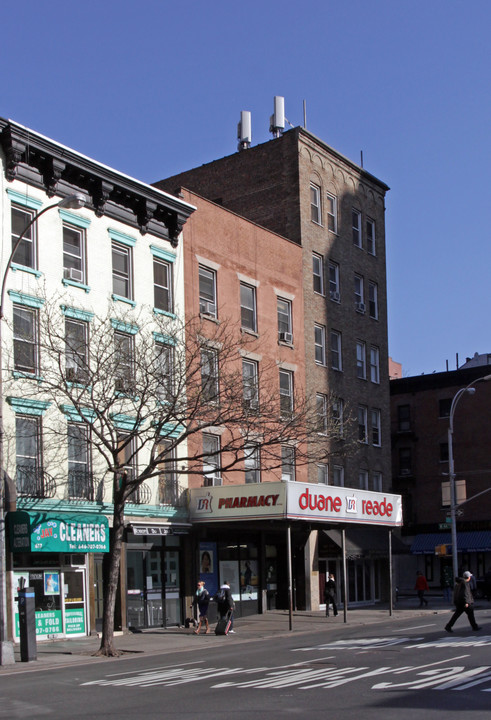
376 428
403 418
373 300
375 364
363 480
356 227
362 424
211 459
29 476
315 204
361 360
26 252
284 310
122 271
318 273
359 294
209 375
338 475
287 463
250 380
332 212
320 344
405 461
207 291
248 307
334 292
338 416
80 485
370 226
73 253
25 331
286 392
322 474
336 354
76 351
444 452
124 369
444 407
164 355
377 481
127 458
321 406
251 463
168 484
162 285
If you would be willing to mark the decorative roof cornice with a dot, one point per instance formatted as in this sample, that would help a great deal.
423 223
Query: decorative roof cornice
46 164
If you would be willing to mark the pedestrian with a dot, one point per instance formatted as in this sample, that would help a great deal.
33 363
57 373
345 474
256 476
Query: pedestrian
225 603
330 595
463 601
421 587
201 600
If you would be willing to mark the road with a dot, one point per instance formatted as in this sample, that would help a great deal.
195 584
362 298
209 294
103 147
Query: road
392 670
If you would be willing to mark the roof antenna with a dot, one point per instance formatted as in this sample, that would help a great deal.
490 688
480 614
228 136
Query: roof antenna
244 130
277 119
305 114
361 159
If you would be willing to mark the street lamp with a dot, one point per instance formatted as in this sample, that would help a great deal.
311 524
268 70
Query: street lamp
71 202
451 469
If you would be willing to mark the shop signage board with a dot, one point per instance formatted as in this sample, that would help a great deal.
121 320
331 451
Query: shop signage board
295 501
58 532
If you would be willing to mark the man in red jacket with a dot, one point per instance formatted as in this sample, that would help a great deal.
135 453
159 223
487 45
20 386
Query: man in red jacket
421 587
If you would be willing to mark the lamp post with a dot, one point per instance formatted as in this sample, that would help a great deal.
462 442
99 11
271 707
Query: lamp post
451 469
75 201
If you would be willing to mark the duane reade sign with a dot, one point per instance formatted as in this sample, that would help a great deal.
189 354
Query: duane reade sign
296 501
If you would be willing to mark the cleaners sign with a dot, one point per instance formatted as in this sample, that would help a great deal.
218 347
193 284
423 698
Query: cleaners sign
58 532
299 501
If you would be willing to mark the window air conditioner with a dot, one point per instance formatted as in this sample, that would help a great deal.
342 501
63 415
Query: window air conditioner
210 480
73 274
286 337
360 306
206 307
334 295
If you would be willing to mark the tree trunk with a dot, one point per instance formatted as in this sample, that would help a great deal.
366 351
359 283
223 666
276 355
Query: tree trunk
110 582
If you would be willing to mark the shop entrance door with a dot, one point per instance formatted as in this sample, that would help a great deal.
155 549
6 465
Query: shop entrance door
74 602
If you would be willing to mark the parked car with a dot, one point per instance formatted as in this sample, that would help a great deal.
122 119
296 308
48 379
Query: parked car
483 589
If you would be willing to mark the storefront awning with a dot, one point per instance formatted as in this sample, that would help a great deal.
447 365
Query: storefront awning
364 541
472 541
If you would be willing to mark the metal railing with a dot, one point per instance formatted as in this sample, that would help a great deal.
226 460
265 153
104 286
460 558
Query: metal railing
32 481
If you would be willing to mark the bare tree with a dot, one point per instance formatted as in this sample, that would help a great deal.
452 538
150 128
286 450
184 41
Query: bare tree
143 392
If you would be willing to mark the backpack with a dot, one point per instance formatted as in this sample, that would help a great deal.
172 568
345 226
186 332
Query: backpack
220 596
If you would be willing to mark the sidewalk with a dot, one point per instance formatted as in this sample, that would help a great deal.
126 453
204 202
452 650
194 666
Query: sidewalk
60 653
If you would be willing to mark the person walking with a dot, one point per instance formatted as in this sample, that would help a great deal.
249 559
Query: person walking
330 595
463 601
201 600
421 587
225 603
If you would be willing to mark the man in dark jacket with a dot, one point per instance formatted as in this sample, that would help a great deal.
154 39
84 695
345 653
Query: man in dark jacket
330 595
225 603
463 601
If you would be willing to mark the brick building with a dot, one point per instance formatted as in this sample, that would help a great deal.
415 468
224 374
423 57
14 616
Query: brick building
420 419
299 187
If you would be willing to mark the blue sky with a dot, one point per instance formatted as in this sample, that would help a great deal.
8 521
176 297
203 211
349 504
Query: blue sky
154 87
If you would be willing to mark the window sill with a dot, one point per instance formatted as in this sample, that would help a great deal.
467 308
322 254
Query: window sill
19 375
165 313
25 268
120 298
73 283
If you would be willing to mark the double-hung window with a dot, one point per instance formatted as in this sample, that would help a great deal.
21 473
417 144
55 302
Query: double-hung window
209 374
322 474
315 204
320 344
377 482
168 484
250 384
338 475
375 364
284 312
332 212
25 254
376 427
362 424
211 459
124 362
363 479
76 350
29 477
338 416
336 351
287 463
122 271
207 291
286 392
164 360
248 318
252 466
162 285
334 289
26 345
359 294
318 273
356 227
373 300
80 485
361 360
321 407
370 230
73 253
